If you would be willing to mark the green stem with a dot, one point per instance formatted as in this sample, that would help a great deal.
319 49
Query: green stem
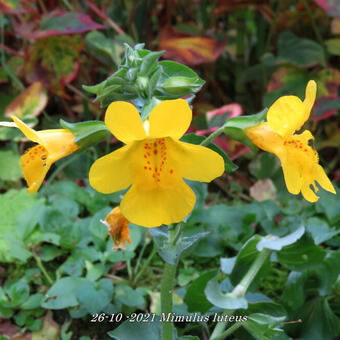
220 327
128 265
42 268
140 255
240 290
229 331
315 27
166 299
212 136
145 264
177 233
254 269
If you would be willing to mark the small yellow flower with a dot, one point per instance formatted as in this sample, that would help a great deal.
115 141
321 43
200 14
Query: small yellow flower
53 145
300 162
154 162
118 227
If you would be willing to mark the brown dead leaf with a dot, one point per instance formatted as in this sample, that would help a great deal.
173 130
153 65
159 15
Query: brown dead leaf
189 49
50 329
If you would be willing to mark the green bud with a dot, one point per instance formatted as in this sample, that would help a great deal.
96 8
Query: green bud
181 85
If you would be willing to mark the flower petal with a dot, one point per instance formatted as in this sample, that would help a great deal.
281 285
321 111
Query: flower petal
198 163
322 179
35 164
152 208
309 97
112 172
58 142
308 193
124 121
264 137
287 115
26 130
292 176
170 118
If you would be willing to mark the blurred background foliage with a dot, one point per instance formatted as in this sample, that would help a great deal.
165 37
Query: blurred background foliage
57 263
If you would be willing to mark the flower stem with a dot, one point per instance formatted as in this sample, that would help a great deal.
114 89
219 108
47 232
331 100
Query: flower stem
212 136
166 299
145 264
42 268
254 269
219 328
240 290
315 27
167 285
229 331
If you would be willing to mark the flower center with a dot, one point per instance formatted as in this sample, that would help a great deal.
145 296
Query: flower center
156 158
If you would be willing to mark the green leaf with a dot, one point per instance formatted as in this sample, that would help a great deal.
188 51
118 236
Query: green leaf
227 264
318 320
172 253
226 301
149 62
63 293
329 204
194 139
333 46
50 252
32 302
92 298
128 296
137 330
17 292
294 292
97 228
195 297
101 43
13 203
10 169
277 243
299 52
320 230
301 255
264 166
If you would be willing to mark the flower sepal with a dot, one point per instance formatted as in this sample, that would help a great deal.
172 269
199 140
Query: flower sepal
235 127
86 133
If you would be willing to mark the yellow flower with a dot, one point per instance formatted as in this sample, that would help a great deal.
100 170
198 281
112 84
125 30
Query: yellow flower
53 145
300 162
118 228
154 162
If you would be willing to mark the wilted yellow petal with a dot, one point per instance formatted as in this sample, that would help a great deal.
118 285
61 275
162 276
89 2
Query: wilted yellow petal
118 228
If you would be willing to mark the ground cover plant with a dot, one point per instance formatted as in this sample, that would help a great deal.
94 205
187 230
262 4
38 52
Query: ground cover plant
169 170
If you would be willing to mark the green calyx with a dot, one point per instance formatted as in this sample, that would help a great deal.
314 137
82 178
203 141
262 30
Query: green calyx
87 133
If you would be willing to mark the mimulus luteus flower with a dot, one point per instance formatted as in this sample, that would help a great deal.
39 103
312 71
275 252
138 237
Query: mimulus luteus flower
52 145
153 163
300 162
